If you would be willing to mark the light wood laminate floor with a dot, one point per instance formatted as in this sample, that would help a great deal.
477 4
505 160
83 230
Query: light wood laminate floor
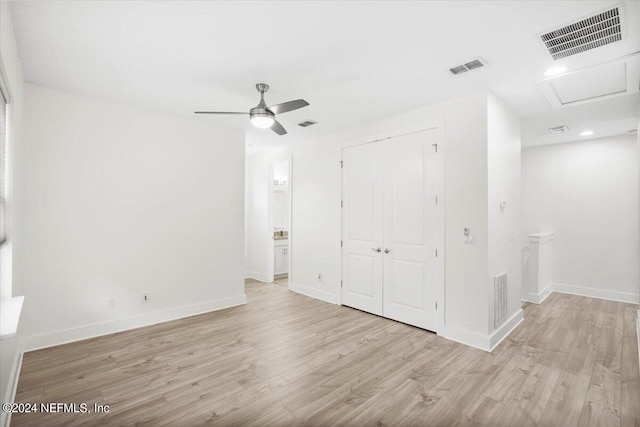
286 359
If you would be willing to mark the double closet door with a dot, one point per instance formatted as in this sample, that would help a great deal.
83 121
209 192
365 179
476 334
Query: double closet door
391 228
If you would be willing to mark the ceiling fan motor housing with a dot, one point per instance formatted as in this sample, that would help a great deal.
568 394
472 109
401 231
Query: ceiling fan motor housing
261 112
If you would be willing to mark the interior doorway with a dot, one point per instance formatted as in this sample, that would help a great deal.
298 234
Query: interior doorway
279 217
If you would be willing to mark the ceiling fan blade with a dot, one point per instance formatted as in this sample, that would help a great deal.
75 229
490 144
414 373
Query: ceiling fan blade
218 112
288 106
277 128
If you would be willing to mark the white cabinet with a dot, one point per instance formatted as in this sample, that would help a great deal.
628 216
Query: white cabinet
391 226
280 257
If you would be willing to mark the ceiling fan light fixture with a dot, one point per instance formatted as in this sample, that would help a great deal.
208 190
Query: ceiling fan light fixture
264 117
262 120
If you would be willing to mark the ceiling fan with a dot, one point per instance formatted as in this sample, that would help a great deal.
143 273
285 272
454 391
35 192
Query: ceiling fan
262 116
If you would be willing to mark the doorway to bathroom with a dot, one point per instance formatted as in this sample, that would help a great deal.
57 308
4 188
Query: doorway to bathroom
280 223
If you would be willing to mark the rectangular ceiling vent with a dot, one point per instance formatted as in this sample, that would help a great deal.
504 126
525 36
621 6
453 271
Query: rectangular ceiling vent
589 33
558 129
306 123
471 65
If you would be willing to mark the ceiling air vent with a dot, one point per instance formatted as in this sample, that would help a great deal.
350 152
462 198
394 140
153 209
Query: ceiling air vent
471 65
558 129
589 33
306 123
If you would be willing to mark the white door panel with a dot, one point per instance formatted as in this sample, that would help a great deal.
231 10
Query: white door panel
409 270
362 271
405 275
405 189
362 225
360 195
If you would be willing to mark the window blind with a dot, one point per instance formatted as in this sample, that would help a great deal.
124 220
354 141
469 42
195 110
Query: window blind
3 167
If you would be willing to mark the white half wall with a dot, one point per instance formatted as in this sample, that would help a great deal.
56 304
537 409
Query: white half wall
586 192
121 202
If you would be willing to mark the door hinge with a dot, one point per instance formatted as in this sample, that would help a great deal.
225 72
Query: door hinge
340 283
340 243
341 203
436 305
436 253
341 164
436 200
436 147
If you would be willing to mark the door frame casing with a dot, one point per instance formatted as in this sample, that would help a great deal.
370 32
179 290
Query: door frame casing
438 124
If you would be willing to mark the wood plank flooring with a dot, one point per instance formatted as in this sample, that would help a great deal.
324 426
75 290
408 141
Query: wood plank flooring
287 360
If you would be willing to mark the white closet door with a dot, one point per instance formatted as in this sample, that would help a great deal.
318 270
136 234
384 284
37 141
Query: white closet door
362 228
410 269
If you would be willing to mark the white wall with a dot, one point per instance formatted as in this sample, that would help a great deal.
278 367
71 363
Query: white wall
504 186
256 218
316 193
586 192
120 202
9 56
466 192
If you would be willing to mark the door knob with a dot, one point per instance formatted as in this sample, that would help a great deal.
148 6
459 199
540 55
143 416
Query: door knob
386 251
376 250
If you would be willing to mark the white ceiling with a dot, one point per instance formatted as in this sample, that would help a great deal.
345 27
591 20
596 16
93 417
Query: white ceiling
352 61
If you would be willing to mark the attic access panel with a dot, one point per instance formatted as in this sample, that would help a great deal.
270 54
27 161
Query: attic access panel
607 80
592 83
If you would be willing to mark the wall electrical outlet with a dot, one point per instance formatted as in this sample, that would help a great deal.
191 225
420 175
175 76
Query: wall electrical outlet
112 303
145 298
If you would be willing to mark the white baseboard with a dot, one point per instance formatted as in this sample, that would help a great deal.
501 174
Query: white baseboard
638 337
110 327
480 341
595 293
586 292
507 327
473 339
539 298
255 276
5 417
314 293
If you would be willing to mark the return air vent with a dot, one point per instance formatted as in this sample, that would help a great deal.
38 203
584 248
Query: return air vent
499 299
558 129
589 33
306 123
471 65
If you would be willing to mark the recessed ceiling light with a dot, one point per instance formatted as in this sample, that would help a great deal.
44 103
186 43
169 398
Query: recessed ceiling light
554 71
586 133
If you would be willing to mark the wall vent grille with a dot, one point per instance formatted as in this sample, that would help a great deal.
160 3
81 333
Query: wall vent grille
306 123
589 33
499 299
